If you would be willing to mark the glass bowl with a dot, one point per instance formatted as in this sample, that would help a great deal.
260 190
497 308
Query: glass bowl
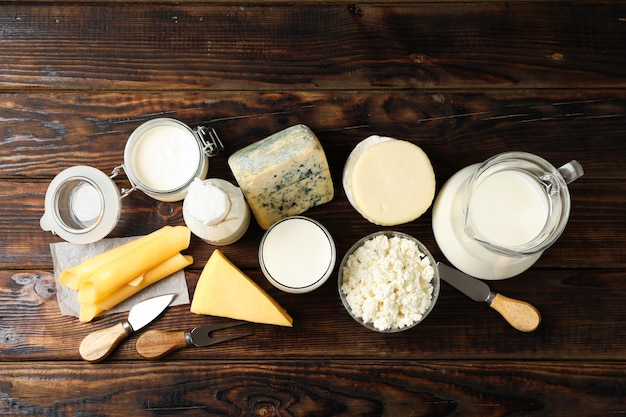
386 294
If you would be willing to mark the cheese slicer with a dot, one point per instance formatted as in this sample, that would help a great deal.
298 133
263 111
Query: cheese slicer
98 345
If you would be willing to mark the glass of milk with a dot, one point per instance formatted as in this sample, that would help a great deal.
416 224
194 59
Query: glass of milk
517 203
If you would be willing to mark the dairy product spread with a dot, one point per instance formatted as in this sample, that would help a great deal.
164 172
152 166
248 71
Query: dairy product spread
165 157
388 282
283 175
389 181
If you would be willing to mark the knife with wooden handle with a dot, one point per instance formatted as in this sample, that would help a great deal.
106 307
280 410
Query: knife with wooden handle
520 314
98 345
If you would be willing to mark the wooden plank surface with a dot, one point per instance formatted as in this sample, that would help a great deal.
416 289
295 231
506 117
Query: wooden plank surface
463 80
335 388
199 46
467 329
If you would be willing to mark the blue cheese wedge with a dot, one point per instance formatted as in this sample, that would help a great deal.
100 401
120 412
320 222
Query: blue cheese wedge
283 175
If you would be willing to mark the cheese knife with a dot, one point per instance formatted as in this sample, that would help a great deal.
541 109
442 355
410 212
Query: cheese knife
155 344
520 314
98 345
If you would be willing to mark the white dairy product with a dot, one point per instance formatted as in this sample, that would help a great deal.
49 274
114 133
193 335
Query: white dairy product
165 157
216 211
462 251
508 209
388 282
389 181
297 254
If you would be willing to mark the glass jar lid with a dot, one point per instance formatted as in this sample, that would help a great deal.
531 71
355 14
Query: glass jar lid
82 205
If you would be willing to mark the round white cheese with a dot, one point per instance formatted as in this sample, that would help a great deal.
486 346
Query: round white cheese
216 211
389 181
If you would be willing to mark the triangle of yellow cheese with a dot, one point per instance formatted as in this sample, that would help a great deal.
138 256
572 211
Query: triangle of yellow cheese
224 291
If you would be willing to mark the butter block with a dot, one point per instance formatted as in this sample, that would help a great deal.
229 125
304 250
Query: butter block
283 175
224 291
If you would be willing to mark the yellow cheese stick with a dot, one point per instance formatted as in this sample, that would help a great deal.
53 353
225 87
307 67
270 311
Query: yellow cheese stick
177 262
73 277
132 265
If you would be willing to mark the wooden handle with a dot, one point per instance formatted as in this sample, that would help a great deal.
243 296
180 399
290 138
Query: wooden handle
519 314
155 344
98 345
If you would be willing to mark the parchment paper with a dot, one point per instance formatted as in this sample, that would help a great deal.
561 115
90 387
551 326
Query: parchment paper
66 255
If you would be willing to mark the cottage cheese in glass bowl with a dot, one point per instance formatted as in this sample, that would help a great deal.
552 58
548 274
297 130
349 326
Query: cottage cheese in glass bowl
388 281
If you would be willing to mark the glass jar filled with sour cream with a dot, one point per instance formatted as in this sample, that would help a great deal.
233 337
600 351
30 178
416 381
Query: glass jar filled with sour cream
163 156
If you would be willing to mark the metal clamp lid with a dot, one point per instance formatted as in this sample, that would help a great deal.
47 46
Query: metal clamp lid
211 143
125 191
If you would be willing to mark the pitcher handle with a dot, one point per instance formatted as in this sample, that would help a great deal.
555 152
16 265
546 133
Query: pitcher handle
571 171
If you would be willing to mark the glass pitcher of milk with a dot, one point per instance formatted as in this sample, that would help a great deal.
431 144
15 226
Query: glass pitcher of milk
494 220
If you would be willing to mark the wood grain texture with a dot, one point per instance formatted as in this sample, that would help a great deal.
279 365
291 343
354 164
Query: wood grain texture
455 128
154 344
334 388
313 46
462 80
581 315
522 315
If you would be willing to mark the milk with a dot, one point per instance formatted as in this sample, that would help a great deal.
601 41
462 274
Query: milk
494 218
508 209
297 254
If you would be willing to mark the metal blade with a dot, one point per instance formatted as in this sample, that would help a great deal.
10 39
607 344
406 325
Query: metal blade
144 312
470 286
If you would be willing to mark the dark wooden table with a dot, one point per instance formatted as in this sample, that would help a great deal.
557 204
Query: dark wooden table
462 80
